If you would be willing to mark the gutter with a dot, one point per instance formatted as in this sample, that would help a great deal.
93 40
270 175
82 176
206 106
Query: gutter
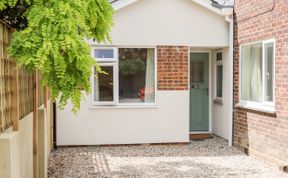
219 6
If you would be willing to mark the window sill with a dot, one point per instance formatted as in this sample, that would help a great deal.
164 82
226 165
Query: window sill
123 106
261 108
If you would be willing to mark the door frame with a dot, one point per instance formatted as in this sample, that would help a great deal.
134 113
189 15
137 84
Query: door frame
210 88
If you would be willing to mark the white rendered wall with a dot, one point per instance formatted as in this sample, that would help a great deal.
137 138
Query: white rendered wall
168 122
220 113
169 22
16 150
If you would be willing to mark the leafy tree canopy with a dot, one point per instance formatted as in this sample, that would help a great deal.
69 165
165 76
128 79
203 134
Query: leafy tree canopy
51 38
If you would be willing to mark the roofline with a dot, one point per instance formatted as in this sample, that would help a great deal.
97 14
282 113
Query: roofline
208 6
119 4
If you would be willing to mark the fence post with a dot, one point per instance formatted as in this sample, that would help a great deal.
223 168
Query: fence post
15 99
35 123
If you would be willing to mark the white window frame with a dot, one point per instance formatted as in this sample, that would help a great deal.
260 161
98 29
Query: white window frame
115 86
264 105
115 63
218 63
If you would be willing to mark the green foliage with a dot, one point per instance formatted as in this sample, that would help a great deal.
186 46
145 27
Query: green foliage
54 42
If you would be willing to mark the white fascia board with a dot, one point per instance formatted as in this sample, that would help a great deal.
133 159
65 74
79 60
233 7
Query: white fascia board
224 12
208 6
122 3
227 11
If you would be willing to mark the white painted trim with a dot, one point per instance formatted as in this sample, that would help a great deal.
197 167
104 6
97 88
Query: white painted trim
122 3
231 81
208 6
273 71
200 132
215 65
263 104
115 85
156 74
189 85
210 85
228 11
257 107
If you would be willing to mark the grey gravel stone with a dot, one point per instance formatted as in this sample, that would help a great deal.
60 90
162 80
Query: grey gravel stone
208 158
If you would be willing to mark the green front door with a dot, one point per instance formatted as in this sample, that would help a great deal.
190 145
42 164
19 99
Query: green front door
199 92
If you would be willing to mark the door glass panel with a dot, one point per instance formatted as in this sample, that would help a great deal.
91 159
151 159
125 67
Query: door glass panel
197 72
104 84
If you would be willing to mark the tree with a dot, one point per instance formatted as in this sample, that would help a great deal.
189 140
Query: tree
51 37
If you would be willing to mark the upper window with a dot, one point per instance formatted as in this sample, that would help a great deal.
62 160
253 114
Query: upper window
104 54
219 75
257 72
130 79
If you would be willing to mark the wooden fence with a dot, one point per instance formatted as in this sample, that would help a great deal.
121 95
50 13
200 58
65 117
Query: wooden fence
20 95
16 86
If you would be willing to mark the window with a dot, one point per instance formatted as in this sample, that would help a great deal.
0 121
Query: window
128 79
104 54
136 75
219 75
257 73
104 85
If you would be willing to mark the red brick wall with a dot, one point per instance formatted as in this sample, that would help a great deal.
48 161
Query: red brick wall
172 67
264 135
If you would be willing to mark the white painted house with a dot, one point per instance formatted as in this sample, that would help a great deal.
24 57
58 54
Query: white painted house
169 75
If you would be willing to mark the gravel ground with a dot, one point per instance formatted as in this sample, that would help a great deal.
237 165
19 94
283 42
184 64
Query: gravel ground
207 158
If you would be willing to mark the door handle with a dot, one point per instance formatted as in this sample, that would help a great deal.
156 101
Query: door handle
194 86
207 91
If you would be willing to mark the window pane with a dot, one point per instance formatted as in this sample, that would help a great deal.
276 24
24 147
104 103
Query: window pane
136 75
245 73
219 80
268 90
251 73
219 56
104 85
103 53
